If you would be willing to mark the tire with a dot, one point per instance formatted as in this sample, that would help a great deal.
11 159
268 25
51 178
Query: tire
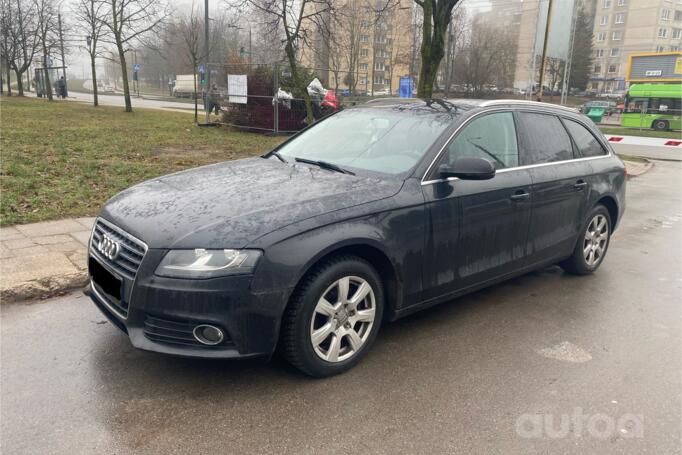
335 349
592 244
660 125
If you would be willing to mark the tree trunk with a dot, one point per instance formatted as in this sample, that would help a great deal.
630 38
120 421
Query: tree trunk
124 74
48 83
302 86
20 83
432 51
95 100
9 83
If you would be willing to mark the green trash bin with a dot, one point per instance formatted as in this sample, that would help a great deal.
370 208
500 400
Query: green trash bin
595 114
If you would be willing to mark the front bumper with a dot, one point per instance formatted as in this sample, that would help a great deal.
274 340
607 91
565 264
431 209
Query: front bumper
161 312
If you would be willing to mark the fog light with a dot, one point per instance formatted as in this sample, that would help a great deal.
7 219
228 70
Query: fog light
208 334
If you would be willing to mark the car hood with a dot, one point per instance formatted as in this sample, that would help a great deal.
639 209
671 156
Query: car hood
229 205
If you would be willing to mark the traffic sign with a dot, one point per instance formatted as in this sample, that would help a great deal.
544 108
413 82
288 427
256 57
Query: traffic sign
136 67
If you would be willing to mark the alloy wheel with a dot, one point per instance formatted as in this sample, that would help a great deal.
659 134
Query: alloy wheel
596 238
343 319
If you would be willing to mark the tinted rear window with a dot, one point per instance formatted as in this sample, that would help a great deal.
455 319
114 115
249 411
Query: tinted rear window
587 144
542 139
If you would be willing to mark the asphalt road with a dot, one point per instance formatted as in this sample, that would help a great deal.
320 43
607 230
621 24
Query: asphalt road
502 371
118 100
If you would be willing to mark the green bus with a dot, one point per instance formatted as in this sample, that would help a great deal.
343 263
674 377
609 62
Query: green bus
657 106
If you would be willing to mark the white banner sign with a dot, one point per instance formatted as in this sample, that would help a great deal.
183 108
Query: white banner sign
236 88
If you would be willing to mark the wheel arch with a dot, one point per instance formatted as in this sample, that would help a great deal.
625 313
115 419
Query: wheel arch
612 206
372 253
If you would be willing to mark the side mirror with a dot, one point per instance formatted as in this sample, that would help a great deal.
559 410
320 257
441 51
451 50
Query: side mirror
468 168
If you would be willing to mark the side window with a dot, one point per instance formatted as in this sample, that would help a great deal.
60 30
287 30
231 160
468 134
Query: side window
543 139
587 144
492 136
635 105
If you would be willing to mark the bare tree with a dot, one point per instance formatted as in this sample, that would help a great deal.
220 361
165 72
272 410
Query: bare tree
46 24
481 59
190 31
555 72
8 49
19 38
298 20
91 15
437 17
344 48
129 21
456 34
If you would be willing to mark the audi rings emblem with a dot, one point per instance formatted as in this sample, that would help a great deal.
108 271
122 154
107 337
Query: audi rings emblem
108 247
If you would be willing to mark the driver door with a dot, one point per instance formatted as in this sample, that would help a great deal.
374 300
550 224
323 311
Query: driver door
477 229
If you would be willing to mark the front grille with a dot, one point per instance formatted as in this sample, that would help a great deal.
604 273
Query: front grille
130 253
176 332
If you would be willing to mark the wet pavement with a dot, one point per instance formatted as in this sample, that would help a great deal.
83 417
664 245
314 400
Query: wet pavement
546 363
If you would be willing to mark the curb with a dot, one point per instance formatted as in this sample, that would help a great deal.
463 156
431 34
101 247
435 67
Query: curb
635 169
645 141
44 288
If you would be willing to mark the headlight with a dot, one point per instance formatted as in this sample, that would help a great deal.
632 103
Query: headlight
201 263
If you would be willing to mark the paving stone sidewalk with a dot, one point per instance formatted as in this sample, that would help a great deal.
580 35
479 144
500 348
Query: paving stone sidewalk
41 259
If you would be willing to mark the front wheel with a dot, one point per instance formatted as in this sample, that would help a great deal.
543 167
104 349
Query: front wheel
592 244
333 317
660 125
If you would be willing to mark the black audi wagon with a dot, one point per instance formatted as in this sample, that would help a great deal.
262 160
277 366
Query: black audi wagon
371 214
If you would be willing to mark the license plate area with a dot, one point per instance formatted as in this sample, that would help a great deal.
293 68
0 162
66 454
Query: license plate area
108 285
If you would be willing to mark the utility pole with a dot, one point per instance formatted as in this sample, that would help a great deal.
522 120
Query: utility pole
544 50
61 47
207 67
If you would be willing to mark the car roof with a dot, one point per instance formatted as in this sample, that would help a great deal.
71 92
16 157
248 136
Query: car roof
458 103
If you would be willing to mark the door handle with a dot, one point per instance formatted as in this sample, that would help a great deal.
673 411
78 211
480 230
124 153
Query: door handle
580 185
520 195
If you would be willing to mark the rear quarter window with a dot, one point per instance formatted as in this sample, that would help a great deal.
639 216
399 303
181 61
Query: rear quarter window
542 139
587 144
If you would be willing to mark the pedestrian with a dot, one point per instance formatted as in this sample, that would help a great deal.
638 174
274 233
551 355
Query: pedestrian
61 88
214 100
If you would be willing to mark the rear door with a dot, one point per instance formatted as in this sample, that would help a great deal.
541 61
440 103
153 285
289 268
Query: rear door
477 229
560 185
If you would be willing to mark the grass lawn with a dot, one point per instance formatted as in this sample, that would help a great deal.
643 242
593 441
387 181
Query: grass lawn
619 131
64 159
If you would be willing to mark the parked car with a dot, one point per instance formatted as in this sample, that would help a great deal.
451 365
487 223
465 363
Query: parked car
311 247
609 107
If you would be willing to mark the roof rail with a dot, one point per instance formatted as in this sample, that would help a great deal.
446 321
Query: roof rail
392 98
530 103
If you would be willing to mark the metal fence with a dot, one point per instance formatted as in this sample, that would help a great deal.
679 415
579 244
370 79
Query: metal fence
262 97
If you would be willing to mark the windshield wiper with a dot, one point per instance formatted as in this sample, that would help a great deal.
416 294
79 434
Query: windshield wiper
275 153
324 165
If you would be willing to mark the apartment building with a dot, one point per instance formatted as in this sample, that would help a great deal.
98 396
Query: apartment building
624 27
368 50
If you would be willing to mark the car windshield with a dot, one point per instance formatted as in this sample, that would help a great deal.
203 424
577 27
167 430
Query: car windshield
384 140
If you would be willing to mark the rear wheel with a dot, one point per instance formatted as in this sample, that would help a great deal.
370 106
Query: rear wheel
660 125
592 245
333 317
